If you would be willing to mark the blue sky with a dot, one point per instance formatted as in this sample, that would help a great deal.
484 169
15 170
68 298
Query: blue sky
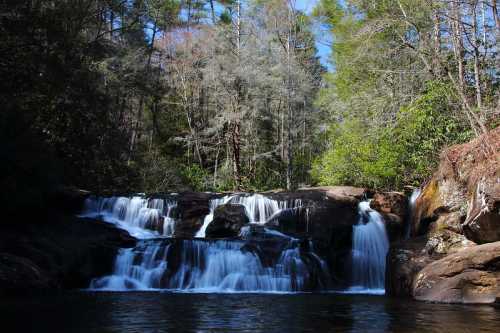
323 50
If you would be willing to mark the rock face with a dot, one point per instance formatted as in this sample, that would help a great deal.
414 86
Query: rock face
390 203
63 253
404 260
191 210
467 181
227 222
468 276
327 216
457 209
394 209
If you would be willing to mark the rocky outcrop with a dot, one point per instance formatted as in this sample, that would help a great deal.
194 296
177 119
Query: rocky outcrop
467 182
192 207
468 276
457 209
228 221
483 217
390 203
63 253
404 260
326 216
394 209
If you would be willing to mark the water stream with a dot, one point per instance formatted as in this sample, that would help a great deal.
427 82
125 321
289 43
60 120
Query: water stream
369 250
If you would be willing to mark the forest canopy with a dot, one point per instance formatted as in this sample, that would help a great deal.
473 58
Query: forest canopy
164 95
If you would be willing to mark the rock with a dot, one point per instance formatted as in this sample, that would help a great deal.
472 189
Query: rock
193 204
404 260
390 203
468 276
445 236
483 218
64 253
394 224
327 216
192 207
227 222
341 193
21 276
467 183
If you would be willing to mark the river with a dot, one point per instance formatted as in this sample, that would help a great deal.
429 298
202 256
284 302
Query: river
194 312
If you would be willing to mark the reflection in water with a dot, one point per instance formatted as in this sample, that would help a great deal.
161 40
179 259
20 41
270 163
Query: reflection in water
172 312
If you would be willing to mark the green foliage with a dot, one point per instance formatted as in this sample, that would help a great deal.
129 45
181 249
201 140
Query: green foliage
406 153
195 177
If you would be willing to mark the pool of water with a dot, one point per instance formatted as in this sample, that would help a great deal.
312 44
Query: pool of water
185 312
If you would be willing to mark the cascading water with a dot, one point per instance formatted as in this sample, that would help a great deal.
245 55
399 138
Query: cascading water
369 249
412 201
201 266
230 266
214 203
258 208
140 268
141 217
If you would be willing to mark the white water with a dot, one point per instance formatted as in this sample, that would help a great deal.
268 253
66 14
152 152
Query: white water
258 208
220 266
214 203
143 218
412 201
369 251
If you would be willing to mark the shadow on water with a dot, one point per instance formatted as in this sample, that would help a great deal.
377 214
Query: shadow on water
185 312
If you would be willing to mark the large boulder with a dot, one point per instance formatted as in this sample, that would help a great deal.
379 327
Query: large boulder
483 217
456 210
19 275
192 207
467 183
326 216
228 221
390 203
404 260
64 253
468 276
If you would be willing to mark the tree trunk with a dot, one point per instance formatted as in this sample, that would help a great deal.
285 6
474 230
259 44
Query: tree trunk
212 11
289 168
458 46
138 120
436 41
477 76
236 142
236 138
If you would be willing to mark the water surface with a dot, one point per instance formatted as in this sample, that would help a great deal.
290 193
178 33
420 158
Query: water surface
186 312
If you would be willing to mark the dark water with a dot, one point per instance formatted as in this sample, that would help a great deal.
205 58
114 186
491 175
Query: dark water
168 312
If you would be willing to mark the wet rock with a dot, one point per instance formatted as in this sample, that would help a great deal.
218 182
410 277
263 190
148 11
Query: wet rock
468 276
394 225
21 276
326 216
228 221
193 204
192 207
64 253
404 260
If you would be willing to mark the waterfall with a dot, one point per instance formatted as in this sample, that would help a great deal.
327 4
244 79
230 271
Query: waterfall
219 266
140 216
140 268
369 249
412 201
258 208
214 203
